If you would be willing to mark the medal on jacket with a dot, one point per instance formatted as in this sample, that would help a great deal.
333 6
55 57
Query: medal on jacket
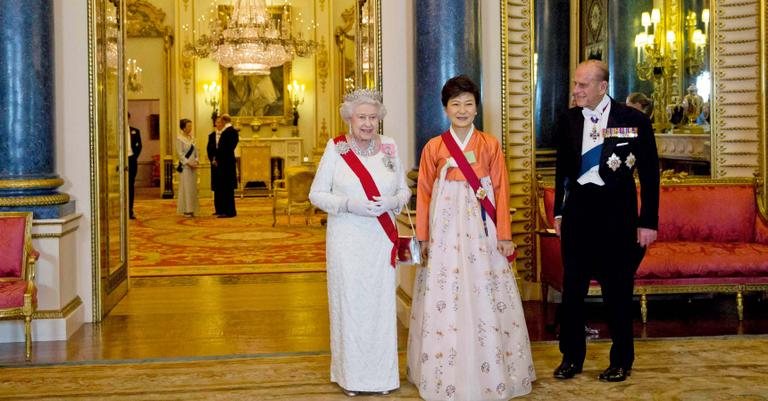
481 193
594 133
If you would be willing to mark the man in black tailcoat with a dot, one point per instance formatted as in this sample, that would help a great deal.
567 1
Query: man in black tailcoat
600 145
221 153
133 164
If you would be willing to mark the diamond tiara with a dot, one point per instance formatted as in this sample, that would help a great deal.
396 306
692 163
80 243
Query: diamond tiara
363 94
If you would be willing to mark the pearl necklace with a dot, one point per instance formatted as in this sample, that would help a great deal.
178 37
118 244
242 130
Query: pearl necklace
369 151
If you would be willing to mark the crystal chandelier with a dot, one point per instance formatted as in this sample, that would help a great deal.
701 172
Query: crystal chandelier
250 40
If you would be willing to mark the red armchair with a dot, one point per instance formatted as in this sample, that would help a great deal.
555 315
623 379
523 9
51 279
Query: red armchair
18 294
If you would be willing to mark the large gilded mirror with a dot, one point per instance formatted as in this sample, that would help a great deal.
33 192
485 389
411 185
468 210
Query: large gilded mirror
737 116
658 52
357 47
107 154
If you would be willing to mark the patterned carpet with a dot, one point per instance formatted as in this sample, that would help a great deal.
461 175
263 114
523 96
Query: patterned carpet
162 242
713 369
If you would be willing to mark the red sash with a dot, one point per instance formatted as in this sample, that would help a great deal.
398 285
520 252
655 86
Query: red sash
469 174
371 190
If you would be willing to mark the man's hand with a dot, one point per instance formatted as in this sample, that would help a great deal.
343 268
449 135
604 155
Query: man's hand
646 236
558 222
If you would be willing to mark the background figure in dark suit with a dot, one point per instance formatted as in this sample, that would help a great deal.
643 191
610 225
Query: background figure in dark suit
133 164
600 145
221 153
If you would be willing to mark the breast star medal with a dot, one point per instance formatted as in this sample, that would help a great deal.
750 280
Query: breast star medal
614 162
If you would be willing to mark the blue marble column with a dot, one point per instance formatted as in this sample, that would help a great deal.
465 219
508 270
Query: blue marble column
447 44
28 180
553 87
623 25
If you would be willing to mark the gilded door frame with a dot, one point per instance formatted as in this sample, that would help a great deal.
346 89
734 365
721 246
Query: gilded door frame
110 283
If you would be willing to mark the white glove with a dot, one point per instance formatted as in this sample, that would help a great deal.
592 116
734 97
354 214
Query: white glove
386 203
361 207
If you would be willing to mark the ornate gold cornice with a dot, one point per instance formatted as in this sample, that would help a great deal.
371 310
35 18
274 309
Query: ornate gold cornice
31 184
40 200
59 314
145 20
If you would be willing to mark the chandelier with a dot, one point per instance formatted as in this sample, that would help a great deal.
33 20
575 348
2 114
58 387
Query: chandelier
251 39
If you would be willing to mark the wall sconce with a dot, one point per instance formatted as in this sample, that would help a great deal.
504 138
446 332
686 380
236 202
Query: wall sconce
296 92
212 98
133 76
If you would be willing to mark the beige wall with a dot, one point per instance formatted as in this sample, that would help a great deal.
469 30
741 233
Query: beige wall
72 130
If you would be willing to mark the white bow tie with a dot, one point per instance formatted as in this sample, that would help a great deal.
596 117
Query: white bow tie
591 115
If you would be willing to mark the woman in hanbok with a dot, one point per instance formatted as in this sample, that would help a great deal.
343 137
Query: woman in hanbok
467 338
360 183
187 203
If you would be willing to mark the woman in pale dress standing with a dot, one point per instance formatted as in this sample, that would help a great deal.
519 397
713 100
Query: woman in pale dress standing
360 264
187 203
468 340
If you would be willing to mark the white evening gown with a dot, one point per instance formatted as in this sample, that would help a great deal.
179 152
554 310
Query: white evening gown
361 281
187 199
468 340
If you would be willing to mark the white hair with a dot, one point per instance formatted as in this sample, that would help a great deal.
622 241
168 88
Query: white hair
359 97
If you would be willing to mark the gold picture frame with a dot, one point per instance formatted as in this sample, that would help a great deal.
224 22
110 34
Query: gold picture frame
257 98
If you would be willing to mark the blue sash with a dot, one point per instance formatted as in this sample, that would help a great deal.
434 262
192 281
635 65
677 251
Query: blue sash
590 159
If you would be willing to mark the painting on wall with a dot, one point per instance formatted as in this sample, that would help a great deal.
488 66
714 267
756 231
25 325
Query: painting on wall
593 29
262 97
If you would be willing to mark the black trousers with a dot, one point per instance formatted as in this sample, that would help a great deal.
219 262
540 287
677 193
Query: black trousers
599 240
133 169
224 201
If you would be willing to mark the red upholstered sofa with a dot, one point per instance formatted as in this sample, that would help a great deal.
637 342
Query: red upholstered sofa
712 239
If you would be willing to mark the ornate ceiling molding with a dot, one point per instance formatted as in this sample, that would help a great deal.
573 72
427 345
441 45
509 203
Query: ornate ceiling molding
145 20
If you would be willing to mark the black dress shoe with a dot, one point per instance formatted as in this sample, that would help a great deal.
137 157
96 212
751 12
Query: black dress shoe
615 374
567 370
225 216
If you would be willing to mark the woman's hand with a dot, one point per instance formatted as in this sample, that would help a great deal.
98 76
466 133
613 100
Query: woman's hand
424 252
505 248
385 204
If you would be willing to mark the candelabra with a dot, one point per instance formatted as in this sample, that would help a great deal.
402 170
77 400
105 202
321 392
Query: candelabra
694 57
657 62
212 98
296 92
133 76
658 49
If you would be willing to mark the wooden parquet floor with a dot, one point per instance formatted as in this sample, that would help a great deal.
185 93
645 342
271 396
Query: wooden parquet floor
265 337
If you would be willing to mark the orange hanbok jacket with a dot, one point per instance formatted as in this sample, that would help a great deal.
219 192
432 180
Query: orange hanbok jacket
489 163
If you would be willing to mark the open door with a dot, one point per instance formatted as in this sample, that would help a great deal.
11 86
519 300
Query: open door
108 154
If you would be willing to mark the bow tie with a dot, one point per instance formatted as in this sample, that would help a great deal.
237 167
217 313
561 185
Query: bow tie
591 115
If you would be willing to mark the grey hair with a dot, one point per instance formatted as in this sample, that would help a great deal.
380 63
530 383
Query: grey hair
359 97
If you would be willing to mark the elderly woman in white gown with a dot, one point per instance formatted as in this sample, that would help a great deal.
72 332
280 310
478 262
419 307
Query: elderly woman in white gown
360 183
